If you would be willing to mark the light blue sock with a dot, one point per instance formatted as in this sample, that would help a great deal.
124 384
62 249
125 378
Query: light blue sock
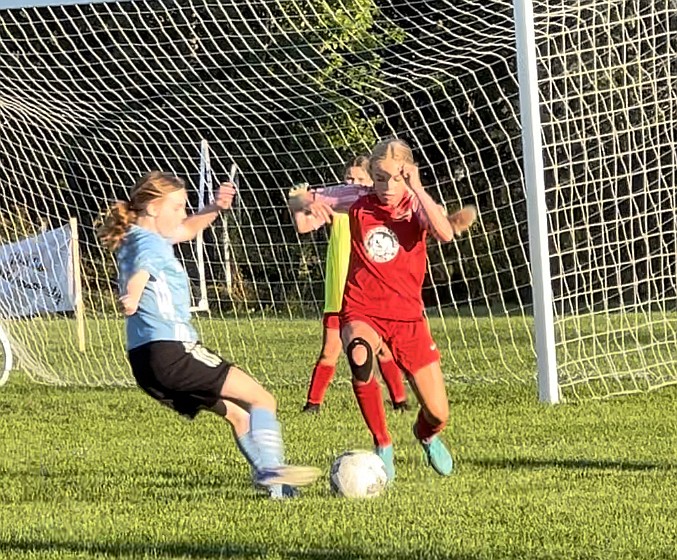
248 449
266 437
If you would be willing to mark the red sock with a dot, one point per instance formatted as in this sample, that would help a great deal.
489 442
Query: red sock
320 380
393 379
424 429
371 405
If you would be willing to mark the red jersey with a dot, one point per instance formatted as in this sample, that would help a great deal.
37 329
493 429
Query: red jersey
387 254
387 260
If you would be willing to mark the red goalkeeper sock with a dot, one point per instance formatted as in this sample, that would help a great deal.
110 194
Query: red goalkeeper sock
371 405
393 379
320 380
424 429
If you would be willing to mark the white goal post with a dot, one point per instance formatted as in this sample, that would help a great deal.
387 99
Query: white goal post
6 358
206 193
556 119
537 210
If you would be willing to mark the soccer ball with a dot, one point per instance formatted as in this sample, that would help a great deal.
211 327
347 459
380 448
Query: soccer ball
358 474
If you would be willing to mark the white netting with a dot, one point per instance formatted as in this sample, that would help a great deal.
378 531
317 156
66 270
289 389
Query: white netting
91 96
610 104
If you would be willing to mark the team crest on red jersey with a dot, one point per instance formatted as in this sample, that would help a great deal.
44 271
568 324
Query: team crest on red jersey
382 244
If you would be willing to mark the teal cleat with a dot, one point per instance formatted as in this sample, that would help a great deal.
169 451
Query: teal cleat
387 455
437 455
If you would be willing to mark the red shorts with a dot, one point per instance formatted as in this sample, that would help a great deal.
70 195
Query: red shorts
411 343
331 321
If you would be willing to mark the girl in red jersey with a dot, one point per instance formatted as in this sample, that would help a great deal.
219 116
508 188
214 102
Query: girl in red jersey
356 172
382 300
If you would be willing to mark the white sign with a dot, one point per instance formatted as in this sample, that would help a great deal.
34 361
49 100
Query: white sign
36 275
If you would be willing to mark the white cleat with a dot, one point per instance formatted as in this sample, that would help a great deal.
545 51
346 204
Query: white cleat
291 475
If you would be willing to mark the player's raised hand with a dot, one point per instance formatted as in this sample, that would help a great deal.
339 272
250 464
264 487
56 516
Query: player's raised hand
462 219
224 196
412 178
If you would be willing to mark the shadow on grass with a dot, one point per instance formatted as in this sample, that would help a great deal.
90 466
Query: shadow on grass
207 552
90 483
574 464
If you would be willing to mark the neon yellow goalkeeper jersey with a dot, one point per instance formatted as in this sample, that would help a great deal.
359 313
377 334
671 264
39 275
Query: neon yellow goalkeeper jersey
338 257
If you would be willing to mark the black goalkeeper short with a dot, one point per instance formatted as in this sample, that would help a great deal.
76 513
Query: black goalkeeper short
185 376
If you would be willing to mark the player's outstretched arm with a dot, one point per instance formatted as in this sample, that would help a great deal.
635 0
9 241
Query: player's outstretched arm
314 208
129 301
309 213
195 223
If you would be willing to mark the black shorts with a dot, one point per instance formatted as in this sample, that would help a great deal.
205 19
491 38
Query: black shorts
185 376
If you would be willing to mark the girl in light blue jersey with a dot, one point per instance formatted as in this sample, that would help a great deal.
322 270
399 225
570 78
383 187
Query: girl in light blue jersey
167 359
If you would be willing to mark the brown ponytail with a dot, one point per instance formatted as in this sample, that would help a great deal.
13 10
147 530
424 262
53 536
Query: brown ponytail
115 223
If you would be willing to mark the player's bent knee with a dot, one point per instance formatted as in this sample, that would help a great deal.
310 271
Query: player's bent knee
268 401
263 399
360 365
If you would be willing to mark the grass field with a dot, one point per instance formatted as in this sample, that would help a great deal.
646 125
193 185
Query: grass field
107 473
278 351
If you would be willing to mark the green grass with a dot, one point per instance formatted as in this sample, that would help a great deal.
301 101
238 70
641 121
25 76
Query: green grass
88 473
277 351
108 473
598 355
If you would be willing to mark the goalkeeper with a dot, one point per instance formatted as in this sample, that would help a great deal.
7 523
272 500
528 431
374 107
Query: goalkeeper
167 359
338 254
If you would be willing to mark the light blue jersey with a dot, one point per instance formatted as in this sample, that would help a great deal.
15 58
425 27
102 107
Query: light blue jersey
164 307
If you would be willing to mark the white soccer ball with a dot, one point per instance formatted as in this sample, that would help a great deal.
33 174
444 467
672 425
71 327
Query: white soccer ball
358 474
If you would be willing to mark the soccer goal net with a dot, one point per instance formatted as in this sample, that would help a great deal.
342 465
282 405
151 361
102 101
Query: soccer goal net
92 95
